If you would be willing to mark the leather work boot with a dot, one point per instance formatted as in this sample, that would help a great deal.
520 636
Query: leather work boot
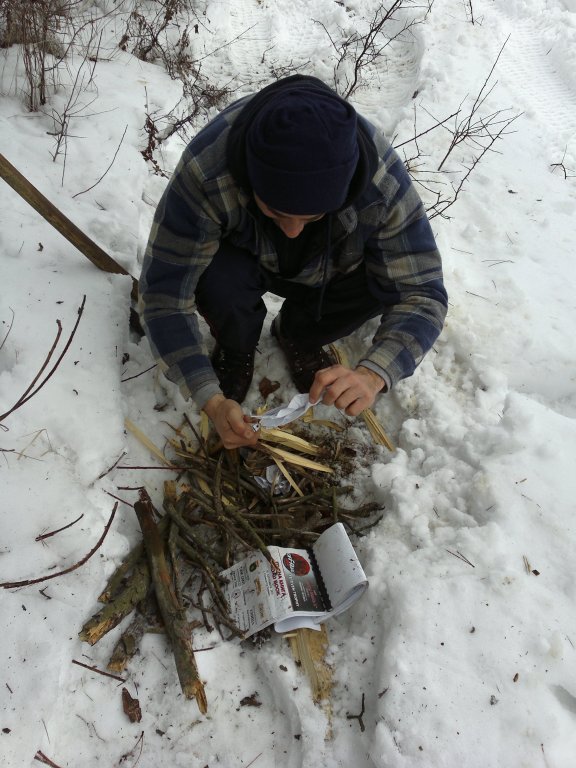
234 371
302 364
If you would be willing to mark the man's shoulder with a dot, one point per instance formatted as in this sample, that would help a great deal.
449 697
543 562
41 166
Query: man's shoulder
391 176
207 150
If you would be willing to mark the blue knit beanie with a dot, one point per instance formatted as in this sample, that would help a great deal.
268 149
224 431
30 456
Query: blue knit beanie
302 151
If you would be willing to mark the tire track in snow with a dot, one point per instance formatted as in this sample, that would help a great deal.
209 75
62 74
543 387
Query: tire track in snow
249 30
535 72
290 35
284 37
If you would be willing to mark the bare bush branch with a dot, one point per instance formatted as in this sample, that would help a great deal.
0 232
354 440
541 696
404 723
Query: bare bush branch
61 119
357 51
568 172
107 169
35 387
40 579
46 30
442 204
473 129
9 329
197 98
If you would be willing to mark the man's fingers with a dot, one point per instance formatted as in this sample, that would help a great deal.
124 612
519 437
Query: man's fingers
323 379
239 426
348 390
231 426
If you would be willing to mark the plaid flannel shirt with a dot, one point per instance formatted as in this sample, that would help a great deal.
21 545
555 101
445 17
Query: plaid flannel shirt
386 228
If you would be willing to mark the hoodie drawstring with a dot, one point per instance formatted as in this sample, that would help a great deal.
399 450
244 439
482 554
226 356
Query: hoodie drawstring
325 260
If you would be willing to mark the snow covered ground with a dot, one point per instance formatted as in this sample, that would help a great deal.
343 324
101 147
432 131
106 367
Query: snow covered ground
464 646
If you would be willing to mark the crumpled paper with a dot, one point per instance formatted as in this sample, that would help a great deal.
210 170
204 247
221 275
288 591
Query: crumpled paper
273 480
284 414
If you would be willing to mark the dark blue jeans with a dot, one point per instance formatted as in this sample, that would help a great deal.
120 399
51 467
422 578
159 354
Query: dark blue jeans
229 297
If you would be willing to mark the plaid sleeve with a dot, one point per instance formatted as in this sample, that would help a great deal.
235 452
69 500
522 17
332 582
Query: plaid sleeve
185 235
405 272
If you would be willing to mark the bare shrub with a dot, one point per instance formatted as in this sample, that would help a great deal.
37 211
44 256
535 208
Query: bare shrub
162 31
45 31
198 97
153 32
364 47
474 130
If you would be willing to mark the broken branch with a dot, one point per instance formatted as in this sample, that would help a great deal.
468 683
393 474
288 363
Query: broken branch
174 615
29 582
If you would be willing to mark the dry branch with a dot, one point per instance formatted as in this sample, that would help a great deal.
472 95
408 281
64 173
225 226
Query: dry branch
174 615
35 387
47 535
114 611
53 216
41 757
29 582
127 645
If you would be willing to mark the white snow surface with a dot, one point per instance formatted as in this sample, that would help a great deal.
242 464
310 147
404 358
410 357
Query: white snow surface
463 648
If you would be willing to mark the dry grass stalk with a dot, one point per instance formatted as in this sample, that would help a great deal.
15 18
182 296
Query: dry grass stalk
142 438
376 430
288 440
288 476
294 458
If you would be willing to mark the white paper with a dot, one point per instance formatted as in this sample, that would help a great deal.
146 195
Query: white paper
284 414
343 575
299 591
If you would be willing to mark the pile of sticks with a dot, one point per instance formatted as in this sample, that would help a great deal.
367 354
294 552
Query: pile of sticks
214 513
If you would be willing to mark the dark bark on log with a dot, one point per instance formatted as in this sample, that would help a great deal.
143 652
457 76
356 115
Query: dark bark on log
113 612
121 573
127 647
177 625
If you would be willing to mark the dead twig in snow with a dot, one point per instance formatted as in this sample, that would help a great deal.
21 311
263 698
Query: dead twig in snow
470 11
29 582
43 536
34 387
107 169
460 556
139 743
566 171
359 716
41 757
136 375
9 328
99 671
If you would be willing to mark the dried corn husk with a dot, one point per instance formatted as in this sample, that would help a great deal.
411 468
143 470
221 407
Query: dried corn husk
293 458
141 437
374 427
287 475
289 440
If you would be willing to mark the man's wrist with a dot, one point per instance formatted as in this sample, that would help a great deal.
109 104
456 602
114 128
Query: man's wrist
211 406
378 382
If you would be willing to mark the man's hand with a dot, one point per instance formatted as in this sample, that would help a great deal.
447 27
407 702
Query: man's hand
230 422
352 391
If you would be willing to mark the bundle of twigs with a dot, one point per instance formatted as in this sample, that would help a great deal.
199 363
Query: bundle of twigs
215 512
